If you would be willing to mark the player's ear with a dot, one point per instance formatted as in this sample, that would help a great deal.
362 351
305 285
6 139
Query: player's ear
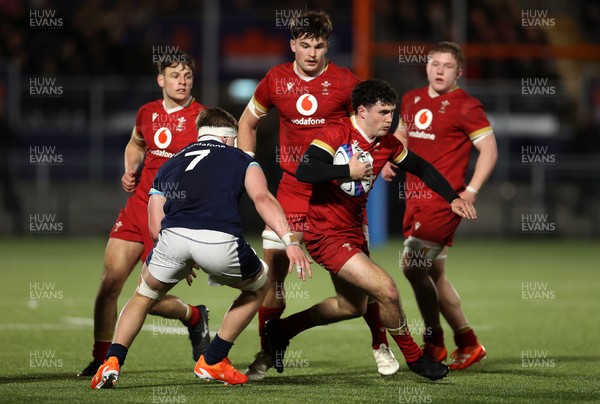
293 45
361 111
160 79
459 73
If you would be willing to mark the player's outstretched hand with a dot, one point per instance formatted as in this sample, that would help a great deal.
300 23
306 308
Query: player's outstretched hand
299 260
128 181
388 172
464 208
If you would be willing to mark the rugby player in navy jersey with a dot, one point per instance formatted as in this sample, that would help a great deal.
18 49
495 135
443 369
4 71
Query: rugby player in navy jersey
193 213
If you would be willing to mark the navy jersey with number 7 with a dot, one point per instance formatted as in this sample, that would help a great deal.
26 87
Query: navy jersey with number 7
203 184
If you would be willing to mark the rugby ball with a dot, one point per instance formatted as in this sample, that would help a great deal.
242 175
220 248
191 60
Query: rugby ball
342 156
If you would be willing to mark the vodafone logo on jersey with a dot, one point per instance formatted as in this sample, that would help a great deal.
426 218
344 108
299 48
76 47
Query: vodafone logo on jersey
307 104
423 119
162 138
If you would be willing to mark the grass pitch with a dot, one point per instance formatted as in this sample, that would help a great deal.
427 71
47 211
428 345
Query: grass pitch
533 304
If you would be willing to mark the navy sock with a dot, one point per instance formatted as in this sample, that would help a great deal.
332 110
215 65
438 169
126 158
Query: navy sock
217 350
118 350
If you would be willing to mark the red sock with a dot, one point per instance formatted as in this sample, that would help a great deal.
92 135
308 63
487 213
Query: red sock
465 337
194 319
265 314
436 336
407 345
100 349
296 323
378 335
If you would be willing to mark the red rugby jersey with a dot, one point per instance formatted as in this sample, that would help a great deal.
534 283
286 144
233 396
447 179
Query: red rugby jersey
165 131
304 104
331 209
442 130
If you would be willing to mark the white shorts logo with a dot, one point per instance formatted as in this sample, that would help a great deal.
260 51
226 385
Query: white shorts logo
423 119
307 104
162 138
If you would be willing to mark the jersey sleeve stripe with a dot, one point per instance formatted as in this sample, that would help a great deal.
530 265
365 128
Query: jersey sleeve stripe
401 156
257 109
254 163
154 191
480 132
322 145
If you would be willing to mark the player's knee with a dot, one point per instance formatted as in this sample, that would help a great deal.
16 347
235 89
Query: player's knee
418 256
391 294
111 286
260 285
271 241
145 290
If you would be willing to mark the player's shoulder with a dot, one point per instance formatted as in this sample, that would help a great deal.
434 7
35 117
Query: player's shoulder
342 73
467 101
196 106
465 96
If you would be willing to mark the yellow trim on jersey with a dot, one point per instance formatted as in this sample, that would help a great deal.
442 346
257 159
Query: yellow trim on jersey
322 145
262 109
401 156
480 132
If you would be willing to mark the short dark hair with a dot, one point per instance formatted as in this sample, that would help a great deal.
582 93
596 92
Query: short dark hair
216 117
451 48
174 59
369 92
311 24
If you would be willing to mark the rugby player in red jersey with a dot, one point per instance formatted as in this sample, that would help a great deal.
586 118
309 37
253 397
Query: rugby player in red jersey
308 93
162 128
442 124
335 237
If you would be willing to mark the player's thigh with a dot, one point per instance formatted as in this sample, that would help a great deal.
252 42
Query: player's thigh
366 275
438 268
120 257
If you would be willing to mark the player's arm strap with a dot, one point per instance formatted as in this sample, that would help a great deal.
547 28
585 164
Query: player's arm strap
429 175
317 166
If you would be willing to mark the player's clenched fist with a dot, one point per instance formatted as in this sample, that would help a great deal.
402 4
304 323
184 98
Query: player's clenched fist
128 181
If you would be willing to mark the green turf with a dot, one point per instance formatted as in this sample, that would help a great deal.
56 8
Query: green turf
542 342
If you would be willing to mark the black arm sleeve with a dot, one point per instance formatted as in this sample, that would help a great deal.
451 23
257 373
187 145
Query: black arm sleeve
416 165
317 166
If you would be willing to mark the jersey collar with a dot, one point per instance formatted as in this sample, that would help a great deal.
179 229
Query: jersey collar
179 107
309 78
210 137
